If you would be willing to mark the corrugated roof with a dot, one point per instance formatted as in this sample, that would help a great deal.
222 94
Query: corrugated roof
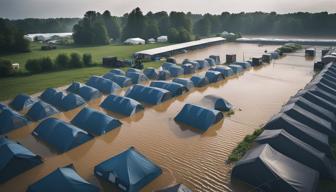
179 46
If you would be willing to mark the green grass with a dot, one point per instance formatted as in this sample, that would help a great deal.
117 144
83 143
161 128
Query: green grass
244 146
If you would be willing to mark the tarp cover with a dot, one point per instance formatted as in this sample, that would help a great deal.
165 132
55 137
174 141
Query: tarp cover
129 170
267 169
133 70
225 70
214 76
86 92
185 82
105 86
175 89
15 159
121 80
51 96
175 71
151 73
10 120
163 75
198 117
41 110
217 103
95 122
167 65
149 95
64 179
188 68
211 61
199 81
299 151
137 77
175 188
21 102
202 64
71 101
118 72
236 68
216 58
122 105
60 135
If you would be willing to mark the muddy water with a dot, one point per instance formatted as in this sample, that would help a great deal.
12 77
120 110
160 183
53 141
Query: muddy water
197 160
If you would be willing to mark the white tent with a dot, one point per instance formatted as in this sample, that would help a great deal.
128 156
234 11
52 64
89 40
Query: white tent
151 40
162 39
135 41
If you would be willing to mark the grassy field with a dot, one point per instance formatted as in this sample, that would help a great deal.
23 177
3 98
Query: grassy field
12 86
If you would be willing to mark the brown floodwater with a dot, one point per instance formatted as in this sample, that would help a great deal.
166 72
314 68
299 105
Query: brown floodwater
186 156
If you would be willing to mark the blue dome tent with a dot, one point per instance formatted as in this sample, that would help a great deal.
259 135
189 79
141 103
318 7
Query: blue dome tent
11 120
95 122
122 105
216 58
185 82
188 68
225 70
199 81
236 68
105 86
89 93
74 87
41 110
149 95
52 96
122 81
163 75
71 101
175 71
21 102
137 77
202 64
175 89
129 170
167 65
133 70
151 73
244 65
64 179
218 103
211 61
15 159
214 76
118 72
60 135
198 117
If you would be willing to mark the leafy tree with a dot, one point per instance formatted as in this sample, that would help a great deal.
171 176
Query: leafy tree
87 59
152 30
136 24
62 61
112 25
173 35
75 60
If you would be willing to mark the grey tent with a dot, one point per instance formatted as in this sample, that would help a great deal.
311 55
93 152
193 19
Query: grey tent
175 188
301 131
266 169
305 117
217 103
314 97
299 151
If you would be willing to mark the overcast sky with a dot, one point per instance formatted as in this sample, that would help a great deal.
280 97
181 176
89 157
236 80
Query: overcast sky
15 9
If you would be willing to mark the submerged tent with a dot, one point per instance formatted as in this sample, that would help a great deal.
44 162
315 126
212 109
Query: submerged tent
118 72
268 170
202 64
175 71
175 188
122 105
199 81
301 131
198 117
64 179
167 65
11 120
95 122
218 103
15 159
74 87
149 95
2 107
133 70
137 77
89 93
41 110
175 89
225 70
21 102
299 151
129 171
49 96
187 83
216 58
105 86
211 61
188 68
163 75
214 76
71 101
307 118
121 80
151 73
60 135
244 65
236 68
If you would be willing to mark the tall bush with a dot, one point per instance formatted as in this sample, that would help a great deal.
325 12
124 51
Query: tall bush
62 61
5 68
87 59
75 60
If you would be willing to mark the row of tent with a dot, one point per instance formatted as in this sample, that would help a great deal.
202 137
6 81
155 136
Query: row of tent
294 149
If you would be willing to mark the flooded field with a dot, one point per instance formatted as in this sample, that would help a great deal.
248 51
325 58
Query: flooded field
197 160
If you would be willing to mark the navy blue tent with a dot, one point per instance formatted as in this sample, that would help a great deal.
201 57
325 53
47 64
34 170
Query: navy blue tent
105 86
133 70
151 73
175 89
122 105
89 93
95 122
64 179
188 68
185 82
198 117
163 75
244 65
307 118
225 70
121 80
202 64
149 95
218 103
175 188
49 95
214 76
3 106
129 170
118 72
175 71
41 110
268 170
199 81
167 65
10 120
74 87
236 68
60 135
137 77
299 151
211 61
301 131
22 101
15 159
71 101
216 58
